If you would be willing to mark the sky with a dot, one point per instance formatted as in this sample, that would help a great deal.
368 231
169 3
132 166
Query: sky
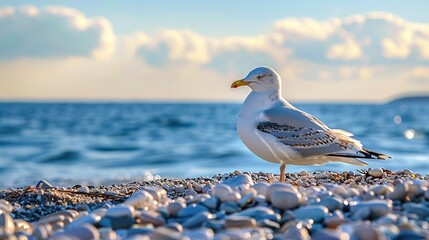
325 51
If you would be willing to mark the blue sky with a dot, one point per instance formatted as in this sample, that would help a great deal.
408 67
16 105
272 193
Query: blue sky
174 50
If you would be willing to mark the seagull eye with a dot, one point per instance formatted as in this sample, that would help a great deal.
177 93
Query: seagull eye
259 77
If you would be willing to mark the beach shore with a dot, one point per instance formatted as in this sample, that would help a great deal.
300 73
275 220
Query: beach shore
365 204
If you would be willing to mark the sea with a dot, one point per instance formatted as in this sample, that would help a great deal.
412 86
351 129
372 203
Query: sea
104 143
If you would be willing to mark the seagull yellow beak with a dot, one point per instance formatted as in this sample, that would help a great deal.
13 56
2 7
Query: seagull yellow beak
239 83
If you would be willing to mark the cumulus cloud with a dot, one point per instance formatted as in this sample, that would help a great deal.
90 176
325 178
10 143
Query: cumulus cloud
373 38
30 32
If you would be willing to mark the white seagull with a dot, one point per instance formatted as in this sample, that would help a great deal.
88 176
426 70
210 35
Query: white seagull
278 132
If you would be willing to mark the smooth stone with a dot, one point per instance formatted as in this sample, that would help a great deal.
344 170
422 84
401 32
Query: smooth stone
5 206
229 207
418 209
139 230
285 199
382 190
202 233
107 234
341 191
140 199
361 213
246 199
231 197
334 222
174 226
151 217
332 203
211 203
190 192
42 231
377 208
242 179
376 172
206 188
269 224
137 237
163 233
330 234
86 231
400 192
44 184
296 233
191 210
197 220
23 226
410 235
317 213
239 222
157 193
408 172
84 189
7 223
86 219
120 211
221 190
255 212
278 186
121 222
261 188
174 207
364 233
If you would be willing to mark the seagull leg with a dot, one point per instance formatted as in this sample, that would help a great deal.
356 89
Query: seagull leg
282 172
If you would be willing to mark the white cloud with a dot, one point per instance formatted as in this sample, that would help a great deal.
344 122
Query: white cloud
373 38
30 32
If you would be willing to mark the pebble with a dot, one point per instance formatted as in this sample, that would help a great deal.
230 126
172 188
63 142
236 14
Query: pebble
5 206
221 190
376 208
376 172
242 179
151 217
317 213
174 207
285 199
6 223
239 222
197 220
191 210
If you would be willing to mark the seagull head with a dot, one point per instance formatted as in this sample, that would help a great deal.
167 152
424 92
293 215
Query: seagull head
259 80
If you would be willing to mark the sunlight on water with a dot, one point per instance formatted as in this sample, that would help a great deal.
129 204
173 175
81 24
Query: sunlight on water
409 134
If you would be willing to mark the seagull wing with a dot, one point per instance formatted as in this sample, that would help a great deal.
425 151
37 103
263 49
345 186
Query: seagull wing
309 136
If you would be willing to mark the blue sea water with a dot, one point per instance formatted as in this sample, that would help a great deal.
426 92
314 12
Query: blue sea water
102 142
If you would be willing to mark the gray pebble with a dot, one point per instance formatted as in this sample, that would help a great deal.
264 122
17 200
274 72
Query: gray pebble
197 220
239 222
285 199
242 179
7 223
317 213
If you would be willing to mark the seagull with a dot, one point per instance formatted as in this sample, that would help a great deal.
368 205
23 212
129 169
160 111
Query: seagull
278 132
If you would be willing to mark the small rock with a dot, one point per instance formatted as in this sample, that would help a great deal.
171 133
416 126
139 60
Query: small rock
242 179
261 188
364 233
255 212
285 199
5 206
377 208
278 186
296 232
151 217
174 207
376 172
163 233
221 190
317 213
84 189
197 220
86 231
332 203
239 222
120 211
202 233
7 223
191 210
400 192
140 199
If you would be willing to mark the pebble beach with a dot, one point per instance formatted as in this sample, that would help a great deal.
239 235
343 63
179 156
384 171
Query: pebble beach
363 204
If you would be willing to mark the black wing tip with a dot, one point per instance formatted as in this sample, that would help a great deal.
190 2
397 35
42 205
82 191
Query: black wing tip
367 154
371 154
